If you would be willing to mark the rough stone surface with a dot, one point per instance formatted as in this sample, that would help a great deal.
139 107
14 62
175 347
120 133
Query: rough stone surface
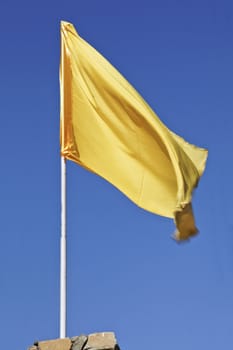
78 342
95 341
57 344
101 341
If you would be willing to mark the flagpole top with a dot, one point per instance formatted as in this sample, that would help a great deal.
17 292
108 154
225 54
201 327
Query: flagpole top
65 24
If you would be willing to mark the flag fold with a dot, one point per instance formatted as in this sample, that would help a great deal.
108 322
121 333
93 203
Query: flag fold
107 128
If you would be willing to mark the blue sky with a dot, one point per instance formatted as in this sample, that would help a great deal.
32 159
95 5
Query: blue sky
125 273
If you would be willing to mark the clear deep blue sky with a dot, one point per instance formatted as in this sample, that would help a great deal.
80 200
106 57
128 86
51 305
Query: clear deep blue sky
125 273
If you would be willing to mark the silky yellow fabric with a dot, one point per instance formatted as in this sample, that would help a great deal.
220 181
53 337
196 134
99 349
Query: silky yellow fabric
109 129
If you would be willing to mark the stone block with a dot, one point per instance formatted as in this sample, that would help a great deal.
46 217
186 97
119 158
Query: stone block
101 341
56 344
78 342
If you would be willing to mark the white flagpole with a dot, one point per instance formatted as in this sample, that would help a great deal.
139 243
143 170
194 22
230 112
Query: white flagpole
63 251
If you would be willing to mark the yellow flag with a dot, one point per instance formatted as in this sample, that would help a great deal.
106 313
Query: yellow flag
107 128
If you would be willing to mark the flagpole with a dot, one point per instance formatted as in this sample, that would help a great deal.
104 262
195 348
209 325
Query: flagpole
63 251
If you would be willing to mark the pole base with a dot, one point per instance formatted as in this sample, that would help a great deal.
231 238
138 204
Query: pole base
95 341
